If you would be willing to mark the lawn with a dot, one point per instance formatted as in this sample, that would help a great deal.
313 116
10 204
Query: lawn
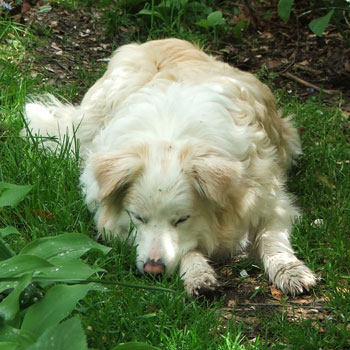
249 314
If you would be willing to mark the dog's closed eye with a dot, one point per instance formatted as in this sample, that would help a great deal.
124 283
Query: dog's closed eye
181 220
137 217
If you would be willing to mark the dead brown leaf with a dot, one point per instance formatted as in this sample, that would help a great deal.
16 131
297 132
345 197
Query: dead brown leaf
276 293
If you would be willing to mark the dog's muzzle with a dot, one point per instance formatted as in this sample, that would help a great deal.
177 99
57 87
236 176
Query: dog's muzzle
154 267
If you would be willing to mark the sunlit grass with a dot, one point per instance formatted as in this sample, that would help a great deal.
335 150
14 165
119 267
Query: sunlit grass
12 42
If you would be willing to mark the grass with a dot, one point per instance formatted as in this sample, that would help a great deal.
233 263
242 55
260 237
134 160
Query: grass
320 180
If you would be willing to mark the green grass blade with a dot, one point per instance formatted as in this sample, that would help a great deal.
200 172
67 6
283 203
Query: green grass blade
40 279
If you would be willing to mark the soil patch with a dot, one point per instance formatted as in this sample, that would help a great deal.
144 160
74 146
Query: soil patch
251 300
301 62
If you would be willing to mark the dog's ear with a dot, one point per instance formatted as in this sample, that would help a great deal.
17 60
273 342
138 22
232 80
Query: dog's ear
116 170
216 178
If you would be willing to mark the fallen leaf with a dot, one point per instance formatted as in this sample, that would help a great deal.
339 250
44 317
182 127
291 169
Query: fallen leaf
152 308
325 181
231 303
276 293
244 274
57 48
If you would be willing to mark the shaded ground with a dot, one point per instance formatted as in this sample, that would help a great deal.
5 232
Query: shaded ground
295 54
251 300
302 63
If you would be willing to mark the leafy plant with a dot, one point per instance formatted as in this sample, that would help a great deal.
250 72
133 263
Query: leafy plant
214 20
30 318
194 20
181 14
285 9
336 10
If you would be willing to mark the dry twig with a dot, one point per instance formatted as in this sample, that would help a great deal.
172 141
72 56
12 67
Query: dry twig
310 85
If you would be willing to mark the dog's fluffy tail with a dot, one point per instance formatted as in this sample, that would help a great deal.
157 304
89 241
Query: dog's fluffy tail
54 122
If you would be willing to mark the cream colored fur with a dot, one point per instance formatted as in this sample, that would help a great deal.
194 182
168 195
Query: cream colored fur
193 152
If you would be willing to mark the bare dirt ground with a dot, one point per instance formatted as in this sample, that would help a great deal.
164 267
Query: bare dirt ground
300 61
74 41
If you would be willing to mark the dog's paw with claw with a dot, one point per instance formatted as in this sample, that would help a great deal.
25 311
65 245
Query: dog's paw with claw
294 278
201 283
198 276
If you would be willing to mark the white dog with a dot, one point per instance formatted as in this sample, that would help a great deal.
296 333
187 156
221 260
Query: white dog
193 152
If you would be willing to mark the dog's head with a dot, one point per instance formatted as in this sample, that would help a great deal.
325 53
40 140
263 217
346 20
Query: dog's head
170 193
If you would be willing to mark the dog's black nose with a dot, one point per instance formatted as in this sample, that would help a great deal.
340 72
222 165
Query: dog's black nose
154 267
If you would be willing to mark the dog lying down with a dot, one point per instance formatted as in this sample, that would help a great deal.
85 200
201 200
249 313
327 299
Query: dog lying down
190 150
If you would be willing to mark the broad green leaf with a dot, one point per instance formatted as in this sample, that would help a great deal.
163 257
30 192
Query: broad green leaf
285 9
10 305
5 251
68 269
9 230
215 18
318 25
68 335
146 12
150 13
204 23
9 346
238 29
21 264
7 285
56 305
11 195
135 346
65 246
18 336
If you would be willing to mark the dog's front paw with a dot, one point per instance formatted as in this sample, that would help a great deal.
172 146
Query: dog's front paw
294 278
200 282
198 276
